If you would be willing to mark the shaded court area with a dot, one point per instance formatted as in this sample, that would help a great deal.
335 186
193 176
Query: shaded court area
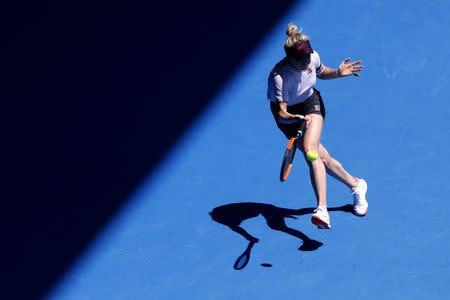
86 88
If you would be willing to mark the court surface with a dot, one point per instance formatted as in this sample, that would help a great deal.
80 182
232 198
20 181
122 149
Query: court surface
390 127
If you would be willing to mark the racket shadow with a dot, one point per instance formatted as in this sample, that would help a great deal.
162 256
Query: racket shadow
233 214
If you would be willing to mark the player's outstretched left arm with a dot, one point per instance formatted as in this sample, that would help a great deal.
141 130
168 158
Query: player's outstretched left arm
344 69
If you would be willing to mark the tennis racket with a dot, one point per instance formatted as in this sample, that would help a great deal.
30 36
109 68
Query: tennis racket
243 259
289 154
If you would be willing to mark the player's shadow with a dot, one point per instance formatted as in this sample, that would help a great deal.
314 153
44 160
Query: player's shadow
233 214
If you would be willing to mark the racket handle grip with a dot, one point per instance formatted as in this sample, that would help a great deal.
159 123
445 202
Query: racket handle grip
301 130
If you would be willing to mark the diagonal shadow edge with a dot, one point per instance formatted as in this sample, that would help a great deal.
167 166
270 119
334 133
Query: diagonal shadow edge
85 113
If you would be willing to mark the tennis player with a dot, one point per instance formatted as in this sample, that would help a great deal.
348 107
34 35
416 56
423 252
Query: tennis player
292 98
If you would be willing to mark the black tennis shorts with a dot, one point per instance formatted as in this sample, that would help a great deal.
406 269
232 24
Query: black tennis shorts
312 105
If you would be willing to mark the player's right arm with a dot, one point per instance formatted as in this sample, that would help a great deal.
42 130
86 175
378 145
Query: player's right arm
284 114
281 98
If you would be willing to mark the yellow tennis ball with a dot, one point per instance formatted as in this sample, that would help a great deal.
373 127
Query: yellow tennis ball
312 155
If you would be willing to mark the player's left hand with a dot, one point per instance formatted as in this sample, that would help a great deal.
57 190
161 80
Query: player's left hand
306 118
347 69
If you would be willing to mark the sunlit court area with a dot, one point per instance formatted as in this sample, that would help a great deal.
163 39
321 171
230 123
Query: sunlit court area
167 184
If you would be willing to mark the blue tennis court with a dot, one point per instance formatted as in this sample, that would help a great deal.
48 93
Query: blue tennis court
390 127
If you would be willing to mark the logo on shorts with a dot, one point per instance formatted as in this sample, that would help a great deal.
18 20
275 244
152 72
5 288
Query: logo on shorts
309 70
317 107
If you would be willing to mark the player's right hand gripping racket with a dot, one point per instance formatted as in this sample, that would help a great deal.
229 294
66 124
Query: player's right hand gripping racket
290 152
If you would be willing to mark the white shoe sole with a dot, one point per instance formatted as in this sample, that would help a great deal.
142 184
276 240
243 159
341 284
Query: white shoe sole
320 223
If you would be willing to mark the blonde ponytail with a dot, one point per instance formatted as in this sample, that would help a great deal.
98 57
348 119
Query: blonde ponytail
293 36
292 28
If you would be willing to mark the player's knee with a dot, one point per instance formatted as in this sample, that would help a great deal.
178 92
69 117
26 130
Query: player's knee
313 161
328 160
308 147
334 163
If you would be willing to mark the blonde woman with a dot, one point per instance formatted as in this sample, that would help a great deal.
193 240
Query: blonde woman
294 99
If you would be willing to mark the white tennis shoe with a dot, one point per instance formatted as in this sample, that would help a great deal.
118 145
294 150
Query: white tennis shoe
360 205
320 218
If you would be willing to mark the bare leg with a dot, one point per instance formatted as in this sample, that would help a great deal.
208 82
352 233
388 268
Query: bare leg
313 182
311 141
335 168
